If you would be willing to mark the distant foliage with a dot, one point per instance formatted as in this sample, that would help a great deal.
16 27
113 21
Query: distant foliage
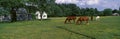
3 11
107 12
53 9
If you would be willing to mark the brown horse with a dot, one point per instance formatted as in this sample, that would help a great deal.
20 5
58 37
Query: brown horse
69 18
82 18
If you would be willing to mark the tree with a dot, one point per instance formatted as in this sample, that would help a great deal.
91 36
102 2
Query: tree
91 13
41 4
96 12
3 11
12 5
115 11
119 10
68 9
83 10
107 12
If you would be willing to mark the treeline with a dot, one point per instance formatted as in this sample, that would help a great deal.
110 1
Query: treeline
56 10
71 9
63 10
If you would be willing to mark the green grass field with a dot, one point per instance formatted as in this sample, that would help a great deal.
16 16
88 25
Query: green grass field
106 28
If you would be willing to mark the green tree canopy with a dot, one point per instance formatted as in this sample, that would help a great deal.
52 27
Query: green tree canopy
107 12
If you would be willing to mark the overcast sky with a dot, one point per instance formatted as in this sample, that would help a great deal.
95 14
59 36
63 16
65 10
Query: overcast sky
99 4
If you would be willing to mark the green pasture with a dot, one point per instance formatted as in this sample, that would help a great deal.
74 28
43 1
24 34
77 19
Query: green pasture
106 28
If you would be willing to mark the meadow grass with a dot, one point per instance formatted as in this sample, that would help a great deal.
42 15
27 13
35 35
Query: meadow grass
106 28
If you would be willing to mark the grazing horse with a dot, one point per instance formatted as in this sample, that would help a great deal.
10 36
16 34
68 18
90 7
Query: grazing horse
98 17
82 18
69 18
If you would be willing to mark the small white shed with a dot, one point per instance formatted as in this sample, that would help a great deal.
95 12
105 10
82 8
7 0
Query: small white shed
116 14
38 15
44 15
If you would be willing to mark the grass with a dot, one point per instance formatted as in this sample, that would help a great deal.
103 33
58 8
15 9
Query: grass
106 28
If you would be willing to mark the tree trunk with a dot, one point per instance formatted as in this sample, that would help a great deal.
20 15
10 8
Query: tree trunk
41 15
91 18
13 15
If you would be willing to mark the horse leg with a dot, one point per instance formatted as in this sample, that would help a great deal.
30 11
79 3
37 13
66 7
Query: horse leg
80 22
87 23
69 21
74 20
77 22
65 21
